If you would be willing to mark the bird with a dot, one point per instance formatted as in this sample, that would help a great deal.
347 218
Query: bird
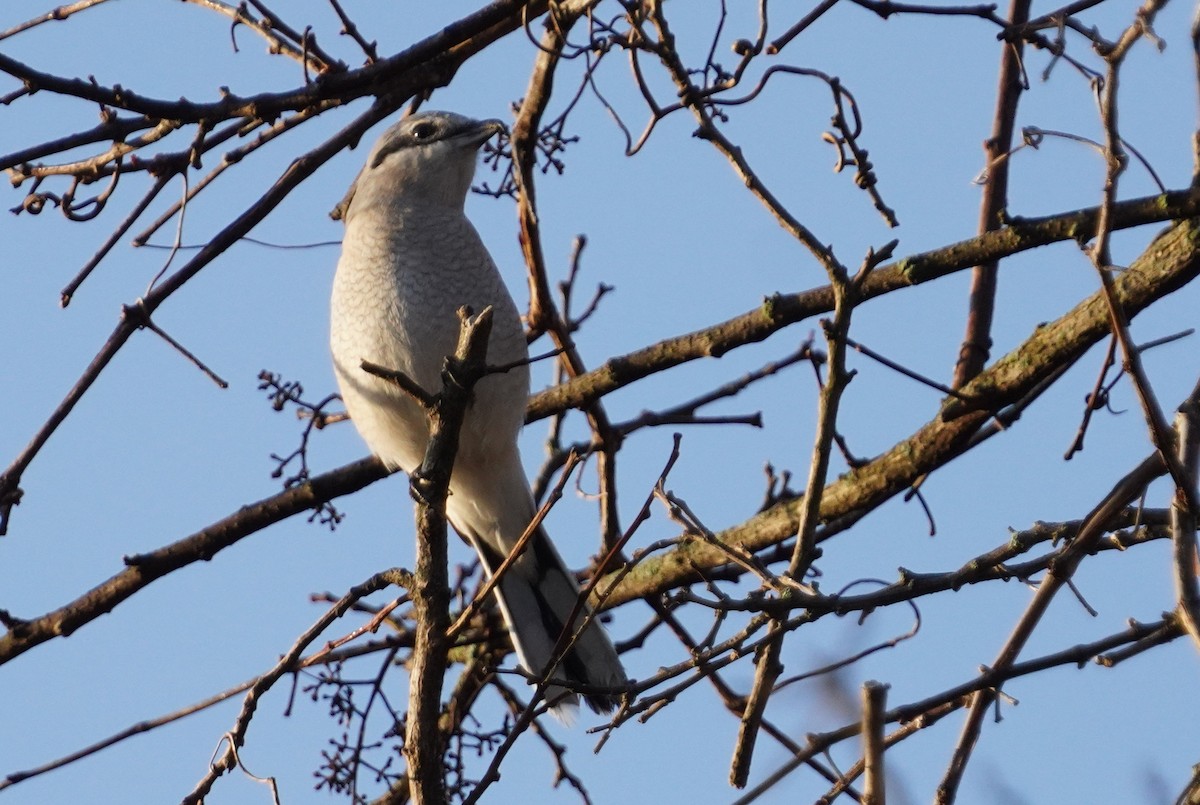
410 259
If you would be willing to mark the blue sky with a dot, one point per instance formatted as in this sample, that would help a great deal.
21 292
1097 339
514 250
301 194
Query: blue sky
155 451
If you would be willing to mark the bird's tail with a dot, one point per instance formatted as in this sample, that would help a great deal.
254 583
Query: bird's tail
537 596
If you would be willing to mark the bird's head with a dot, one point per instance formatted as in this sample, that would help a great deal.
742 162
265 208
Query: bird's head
427 158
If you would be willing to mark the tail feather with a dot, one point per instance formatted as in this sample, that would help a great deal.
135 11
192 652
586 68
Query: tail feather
491 506
537 595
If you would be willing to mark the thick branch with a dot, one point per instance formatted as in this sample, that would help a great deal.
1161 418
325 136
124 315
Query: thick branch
1171 261
145 568
442 53
424 744
782 310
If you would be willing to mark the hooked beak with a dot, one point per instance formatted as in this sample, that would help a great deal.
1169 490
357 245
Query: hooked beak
481 132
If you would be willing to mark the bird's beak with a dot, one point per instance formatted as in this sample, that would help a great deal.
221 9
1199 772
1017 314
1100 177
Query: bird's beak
479 133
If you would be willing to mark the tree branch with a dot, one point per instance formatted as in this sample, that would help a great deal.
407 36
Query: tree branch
424 743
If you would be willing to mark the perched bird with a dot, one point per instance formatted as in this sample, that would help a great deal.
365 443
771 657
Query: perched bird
410 259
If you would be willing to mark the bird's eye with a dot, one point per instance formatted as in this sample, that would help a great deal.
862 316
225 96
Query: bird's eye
424 131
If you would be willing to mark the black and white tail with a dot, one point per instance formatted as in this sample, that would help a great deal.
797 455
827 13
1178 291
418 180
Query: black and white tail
537 595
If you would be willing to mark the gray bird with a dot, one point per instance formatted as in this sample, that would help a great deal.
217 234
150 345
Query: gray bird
410 259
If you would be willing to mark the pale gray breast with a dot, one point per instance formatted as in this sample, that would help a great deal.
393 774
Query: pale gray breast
402 276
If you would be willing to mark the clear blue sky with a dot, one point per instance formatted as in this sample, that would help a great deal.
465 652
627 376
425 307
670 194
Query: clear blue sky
155 451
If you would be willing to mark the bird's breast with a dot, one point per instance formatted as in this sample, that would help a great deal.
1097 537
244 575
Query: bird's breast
399 284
